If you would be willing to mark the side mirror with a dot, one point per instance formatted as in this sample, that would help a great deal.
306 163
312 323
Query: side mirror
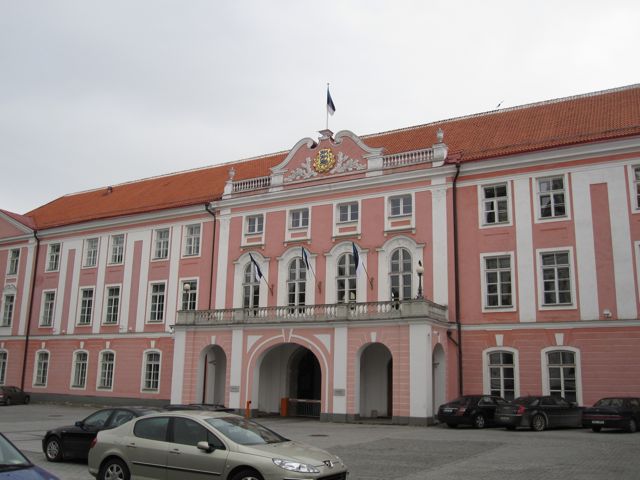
204 446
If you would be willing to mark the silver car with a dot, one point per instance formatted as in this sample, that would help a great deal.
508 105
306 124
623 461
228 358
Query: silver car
190 445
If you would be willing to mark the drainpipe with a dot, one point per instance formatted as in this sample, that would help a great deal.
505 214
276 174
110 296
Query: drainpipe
455 268
213 251
28 316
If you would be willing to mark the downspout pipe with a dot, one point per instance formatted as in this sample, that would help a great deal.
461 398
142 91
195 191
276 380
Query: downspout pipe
457 276
34 272
213 251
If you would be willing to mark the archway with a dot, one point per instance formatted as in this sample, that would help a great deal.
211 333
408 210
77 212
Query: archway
376 381
438 378
290 371
212 376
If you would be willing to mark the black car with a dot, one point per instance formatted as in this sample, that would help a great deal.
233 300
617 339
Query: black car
9 395
475 410
14 465
619 412
73 441
539 413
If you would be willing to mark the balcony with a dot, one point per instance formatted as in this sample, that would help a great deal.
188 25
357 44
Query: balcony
317 314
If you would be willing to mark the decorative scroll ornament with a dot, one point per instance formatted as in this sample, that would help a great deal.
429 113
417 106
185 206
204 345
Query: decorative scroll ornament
346 164
302 172
324 161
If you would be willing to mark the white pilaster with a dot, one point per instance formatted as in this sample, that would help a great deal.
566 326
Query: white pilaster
420 371
26 288
340 370
179 350
440 245
222 251
525 253
235 372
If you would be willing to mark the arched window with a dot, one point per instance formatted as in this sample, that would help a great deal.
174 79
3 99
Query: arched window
346 279
502 374
250 288
297 282
401 274
80 360
561 366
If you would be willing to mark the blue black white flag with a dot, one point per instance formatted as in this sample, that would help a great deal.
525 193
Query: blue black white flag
356 255
305 259
257 267
331 108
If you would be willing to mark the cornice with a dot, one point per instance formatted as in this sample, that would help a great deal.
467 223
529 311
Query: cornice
571 325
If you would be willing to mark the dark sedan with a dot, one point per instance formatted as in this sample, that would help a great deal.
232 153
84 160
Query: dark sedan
9 395
539 413
15 466
475 410
620 413
73 441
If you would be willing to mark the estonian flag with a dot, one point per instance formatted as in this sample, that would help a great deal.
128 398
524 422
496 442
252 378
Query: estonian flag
356 255
258 271
331 108
305 258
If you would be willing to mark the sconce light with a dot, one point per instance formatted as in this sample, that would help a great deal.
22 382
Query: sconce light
420 272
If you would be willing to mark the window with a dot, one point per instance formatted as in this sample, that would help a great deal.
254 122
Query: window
14 261
495 204
53 262
113 305
86 306
401 274
91 252
42 369
255 224
346 278
400 206
7 310
117 249
80 360
192 240
107 364
190 295
161 249
348 212
157 302
299 218
151 380
497 271
98 419
188 432
636 182
154 428
3 367
562 374
502 375
48 305
556 277
296 283
250 288
551 197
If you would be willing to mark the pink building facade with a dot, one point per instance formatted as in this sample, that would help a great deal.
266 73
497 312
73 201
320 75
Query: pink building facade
349 277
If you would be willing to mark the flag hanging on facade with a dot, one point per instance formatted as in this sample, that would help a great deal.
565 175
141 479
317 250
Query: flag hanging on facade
257 267
356 255
305 258
331 108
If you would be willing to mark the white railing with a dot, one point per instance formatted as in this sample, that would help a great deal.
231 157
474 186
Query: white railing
407 158
251 184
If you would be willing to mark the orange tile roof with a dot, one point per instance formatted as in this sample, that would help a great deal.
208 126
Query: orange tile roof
586 118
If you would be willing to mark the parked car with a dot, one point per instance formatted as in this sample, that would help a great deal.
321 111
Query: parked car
213 444
10 394
72 441
214 407
539 413
475 410
14 465
619 412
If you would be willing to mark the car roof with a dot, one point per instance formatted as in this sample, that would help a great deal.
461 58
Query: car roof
200 414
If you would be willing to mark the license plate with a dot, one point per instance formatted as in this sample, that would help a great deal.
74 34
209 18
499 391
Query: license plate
505 419
449 410
597 422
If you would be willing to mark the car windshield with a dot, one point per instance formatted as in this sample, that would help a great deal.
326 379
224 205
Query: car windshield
526 401
10 456
609 402
461 401
244 432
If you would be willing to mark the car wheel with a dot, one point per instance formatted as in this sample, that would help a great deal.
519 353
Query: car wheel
27 399
247 475
538 423
53 449
114 469
632 427
596 429
7 402
452 425
479 421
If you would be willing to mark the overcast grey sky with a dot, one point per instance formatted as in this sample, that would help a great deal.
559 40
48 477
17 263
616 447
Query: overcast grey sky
94 93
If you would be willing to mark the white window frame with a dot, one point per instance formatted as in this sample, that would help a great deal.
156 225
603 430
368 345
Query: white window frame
145 354
481 205
117 252
403 213
297 215
150 303
193 293
42 308
51 256
13 262
106 304
81 306
248 221
192 248
101 363
74 371
91 261
486 384
158 244
384 265
349 206
483 281
545 369
540 283
567 199
4 363
6 320
634 185
36 365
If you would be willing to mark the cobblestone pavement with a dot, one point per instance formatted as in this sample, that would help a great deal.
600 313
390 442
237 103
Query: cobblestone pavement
377 452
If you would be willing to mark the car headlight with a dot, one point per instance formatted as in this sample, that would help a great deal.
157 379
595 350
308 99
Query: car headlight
295 466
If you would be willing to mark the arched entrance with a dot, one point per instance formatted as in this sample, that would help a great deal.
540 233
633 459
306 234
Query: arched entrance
212 376
289 371
438 379
376 381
